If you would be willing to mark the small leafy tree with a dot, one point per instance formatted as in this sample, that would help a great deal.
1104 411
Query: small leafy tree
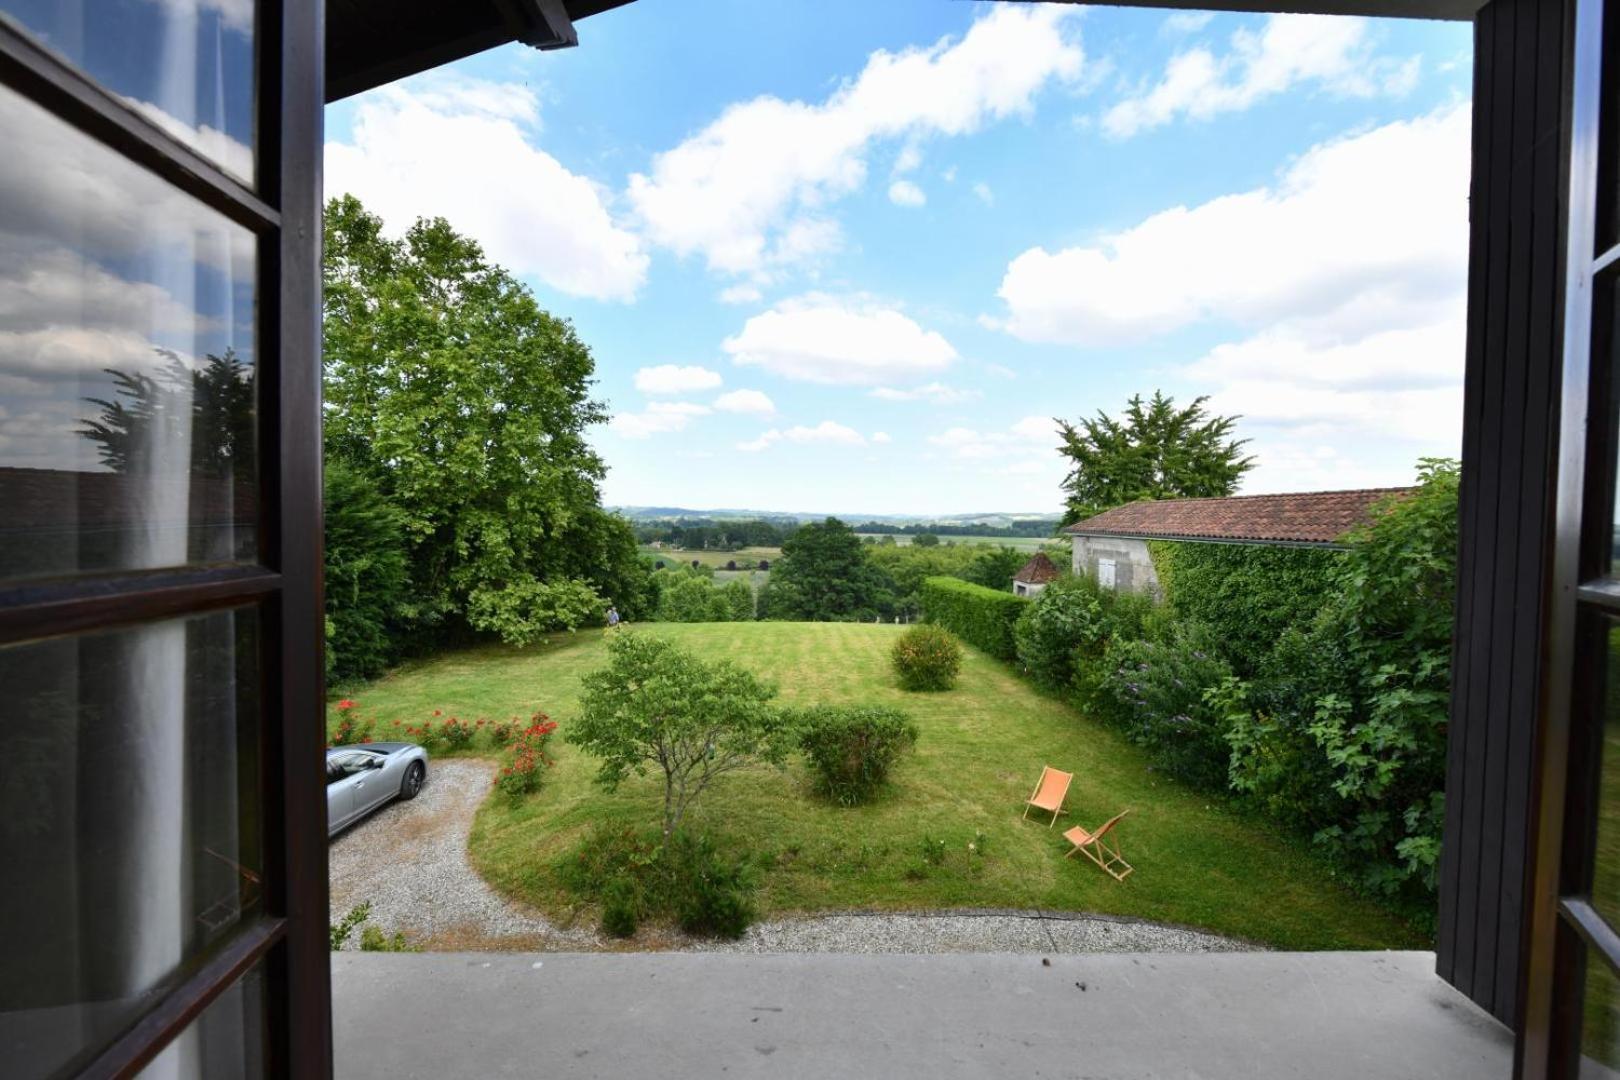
656 705
926 657
925 539
1154 451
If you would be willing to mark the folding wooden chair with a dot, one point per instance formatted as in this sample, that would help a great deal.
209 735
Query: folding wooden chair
1049 792
1095 847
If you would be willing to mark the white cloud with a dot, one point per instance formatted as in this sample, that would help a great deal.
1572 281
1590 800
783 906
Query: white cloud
766 439
660 417
905 193
986 196
1333 53
463 150
745 401
1187 22
881 437
1360 234
909 158
826 433
1028 437
825 340
741 294
935 393
1000 371
948 175
671 379
233 156
737 191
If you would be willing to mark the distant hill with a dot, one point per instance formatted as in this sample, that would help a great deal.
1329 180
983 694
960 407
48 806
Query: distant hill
993 519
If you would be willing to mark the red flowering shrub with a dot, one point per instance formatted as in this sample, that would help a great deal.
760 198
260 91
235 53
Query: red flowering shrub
426 734
501 732
522 773
350 728
456 734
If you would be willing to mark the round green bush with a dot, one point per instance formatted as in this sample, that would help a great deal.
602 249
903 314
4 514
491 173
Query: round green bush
927 657
852 747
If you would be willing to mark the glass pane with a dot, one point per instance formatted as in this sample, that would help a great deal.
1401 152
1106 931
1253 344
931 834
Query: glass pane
225 1043
186 65
1600 1024
1606 857
1608 200
127 392
129 824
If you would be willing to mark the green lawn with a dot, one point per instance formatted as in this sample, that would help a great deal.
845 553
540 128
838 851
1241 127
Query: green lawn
1198 862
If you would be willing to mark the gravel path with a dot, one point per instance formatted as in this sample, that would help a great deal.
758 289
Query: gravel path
969 931
409 860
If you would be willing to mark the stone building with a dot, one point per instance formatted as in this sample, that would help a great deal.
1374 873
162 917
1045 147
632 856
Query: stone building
1035 575
1113 546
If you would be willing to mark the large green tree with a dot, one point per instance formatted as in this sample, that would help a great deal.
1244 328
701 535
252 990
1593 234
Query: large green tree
468 405
824 576
1154 450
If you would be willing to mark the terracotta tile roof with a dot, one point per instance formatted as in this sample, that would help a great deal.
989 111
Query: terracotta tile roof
1038 571
1309 517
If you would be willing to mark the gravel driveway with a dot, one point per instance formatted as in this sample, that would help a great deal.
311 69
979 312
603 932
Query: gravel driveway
409 860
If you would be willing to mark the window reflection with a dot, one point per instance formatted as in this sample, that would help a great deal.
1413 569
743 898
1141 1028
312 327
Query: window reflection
126 363
129 825
186 65
225 1043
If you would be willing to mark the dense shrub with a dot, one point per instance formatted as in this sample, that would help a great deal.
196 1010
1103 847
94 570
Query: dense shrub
926 657
1155 691
1062 635
1063 618
982 617
1250 594
525 610
852 748
367 575
1343 729
739 600
705 888
691 599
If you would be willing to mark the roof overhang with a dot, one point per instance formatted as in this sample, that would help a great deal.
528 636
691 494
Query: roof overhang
1327 545
372 42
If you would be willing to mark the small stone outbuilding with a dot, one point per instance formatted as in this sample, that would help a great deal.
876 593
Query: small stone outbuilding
1112 547
1035 575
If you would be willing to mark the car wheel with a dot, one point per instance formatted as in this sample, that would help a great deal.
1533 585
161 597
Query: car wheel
413 781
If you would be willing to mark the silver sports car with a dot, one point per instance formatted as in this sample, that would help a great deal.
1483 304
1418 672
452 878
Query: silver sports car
363 777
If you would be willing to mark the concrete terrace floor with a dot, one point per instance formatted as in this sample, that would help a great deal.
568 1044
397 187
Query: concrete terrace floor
1213 1016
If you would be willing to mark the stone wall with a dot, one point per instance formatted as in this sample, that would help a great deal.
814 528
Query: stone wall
1127 560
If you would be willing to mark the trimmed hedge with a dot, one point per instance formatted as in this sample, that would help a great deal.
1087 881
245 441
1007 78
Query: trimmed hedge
979 616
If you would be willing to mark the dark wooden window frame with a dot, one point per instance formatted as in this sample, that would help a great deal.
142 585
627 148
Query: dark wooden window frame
284 213
1565 932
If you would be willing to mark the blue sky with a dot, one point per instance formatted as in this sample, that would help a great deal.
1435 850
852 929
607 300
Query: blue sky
853 257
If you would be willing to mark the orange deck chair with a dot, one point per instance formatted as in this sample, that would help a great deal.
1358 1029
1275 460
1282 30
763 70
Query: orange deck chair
1095 847
1049 792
